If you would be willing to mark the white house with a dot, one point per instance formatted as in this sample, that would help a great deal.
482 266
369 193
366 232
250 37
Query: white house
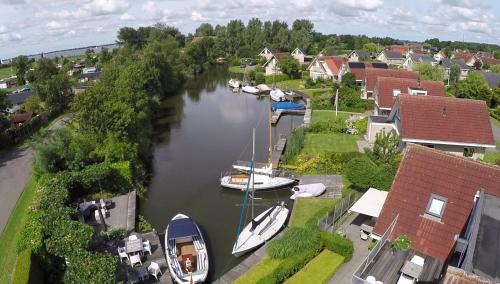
266 53
271 66
300 56
448 63
327 68
358 55
391 57
418 58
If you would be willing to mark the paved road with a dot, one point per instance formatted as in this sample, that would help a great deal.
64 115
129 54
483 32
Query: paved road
15 172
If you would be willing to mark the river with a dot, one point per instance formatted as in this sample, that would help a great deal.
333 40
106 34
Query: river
207 129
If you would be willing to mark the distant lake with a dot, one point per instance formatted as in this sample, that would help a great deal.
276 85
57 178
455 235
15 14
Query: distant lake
208 128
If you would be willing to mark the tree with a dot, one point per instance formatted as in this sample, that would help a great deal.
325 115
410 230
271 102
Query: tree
349 81
495 68
486 65
53 88
205 29
130 36
301 34
21 66
370 47
290 67
454 73
360 172
90 58
496 54
385 149
447 52
32 104
475 87
429 72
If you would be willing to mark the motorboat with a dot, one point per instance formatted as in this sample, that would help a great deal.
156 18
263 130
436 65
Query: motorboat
277 95
287 105
234 83
260 181
250 89
186 251
261 229
308 190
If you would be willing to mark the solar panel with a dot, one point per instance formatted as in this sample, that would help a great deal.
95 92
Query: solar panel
356 65
380 65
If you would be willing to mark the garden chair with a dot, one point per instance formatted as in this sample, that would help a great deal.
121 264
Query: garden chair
146 246
154 269
135 259
123 254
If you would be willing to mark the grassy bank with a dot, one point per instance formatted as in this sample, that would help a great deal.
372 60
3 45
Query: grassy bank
6 72
10 235
239 70
335 142
264 267
305 208
318 270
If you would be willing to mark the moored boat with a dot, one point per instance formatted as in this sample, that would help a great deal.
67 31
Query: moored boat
250 89
287 105
260 181
277 95
308 190
234 83
186 251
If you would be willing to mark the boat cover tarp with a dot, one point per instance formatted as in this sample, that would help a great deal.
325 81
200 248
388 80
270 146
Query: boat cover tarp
256 222
287 105
370 203
263 87
315 189
184 227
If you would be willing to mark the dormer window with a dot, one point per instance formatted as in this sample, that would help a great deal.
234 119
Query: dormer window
417 92
436 206
396 92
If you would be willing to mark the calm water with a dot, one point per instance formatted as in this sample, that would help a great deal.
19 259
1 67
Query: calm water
207 129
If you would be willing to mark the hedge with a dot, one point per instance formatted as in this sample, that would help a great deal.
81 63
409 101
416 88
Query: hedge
319 270
288 267
294 241
338 244
27 270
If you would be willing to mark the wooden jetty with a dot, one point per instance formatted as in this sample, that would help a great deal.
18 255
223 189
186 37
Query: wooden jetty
242 267
278 150
333 184
277 113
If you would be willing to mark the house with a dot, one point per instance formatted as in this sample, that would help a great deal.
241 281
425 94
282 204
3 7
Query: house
440 55
89 77
401 49
87 70
5 61
266 53
371 75
358 69
8 82
326 67
358 55
17 99
300 56
418 58
387 89
391 57
271 66
448 63
435 200
470 59
457 126
492 78
17 120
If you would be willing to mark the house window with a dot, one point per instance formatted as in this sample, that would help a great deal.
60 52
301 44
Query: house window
468 152
396 92
436 205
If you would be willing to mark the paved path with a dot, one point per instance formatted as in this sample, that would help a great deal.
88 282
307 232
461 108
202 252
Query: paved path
496 135
15 172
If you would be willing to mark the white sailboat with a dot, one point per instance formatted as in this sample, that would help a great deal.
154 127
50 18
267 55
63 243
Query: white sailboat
259 181
277 95
234 83
262 228
186 251
250 89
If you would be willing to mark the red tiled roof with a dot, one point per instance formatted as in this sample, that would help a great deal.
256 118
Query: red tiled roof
463 55
384 87
492 61
424 171
458 276
20 118
373 73
445 119
402 49
334 63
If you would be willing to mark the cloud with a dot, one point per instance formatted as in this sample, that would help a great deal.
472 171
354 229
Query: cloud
127 17
197 17
106 7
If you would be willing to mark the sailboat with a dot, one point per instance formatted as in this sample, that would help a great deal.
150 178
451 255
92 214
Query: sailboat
277 95
247 88
261 228
234 83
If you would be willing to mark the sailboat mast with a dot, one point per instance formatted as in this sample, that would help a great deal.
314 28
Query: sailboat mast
252 171
270 135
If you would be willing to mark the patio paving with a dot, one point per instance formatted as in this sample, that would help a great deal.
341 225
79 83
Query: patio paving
351 227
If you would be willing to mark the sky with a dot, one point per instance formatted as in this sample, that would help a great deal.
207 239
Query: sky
34 26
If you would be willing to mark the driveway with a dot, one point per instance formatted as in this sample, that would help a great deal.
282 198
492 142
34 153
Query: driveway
15 172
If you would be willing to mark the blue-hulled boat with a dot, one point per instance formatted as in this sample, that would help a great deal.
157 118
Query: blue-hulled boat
287 105
186 252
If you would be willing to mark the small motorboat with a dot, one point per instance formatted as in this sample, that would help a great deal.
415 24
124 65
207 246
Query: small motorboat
234 83
186 251
277 95
308 190
260 181
287 105
250 89
261 229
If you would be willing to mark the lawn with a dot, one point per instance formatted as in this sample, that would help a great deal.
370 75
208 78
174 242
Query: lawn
329 115
6 72
305 208
10 235
315 143
495 122
258 271
239 70
291 84
492 157
318 270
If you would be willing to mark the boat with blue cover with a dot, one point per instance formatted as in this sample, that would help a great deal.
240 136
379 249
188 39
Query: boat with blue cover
186 251
287 105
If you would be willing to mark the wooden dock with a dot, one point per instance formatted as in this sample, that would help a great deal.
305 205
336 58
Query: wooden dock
277 113
242 267
278 150
333 184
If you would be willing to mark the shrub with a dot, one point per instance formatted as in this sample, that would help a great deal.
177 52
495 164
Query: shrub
383 177
84 265
318 270
372 244
294 145
360 171
143 225
294 241
322 101
337 125
361 125
288 267
260 78
402 242
114 234
338 244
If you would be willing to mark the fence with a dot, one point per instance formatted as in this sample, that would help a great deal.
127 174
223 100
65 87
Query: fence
356 277
329 222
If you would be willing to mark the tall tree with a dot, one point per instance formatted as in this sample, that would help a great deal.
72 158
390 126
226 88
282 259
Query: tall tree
454 74
429 72
236 36
21 66
301 35
205 29
254 36
475 87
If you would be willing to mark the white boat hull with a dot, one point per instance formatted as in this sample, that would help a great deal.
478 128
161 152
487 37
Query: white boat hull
250 90
250 239
268 170
202 261
308 190
260 182
277 95
233 83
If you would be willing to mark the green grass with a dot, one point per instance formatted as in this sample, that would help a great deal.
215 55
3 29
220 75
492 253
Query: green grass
6 72
239 70
305 208
318 270
9 237
258 271
291 84
335 142
495 122
492 157
329 115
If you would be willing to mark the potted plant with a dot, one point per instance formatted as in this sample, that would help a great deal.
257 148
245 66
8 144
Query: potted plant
401 245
